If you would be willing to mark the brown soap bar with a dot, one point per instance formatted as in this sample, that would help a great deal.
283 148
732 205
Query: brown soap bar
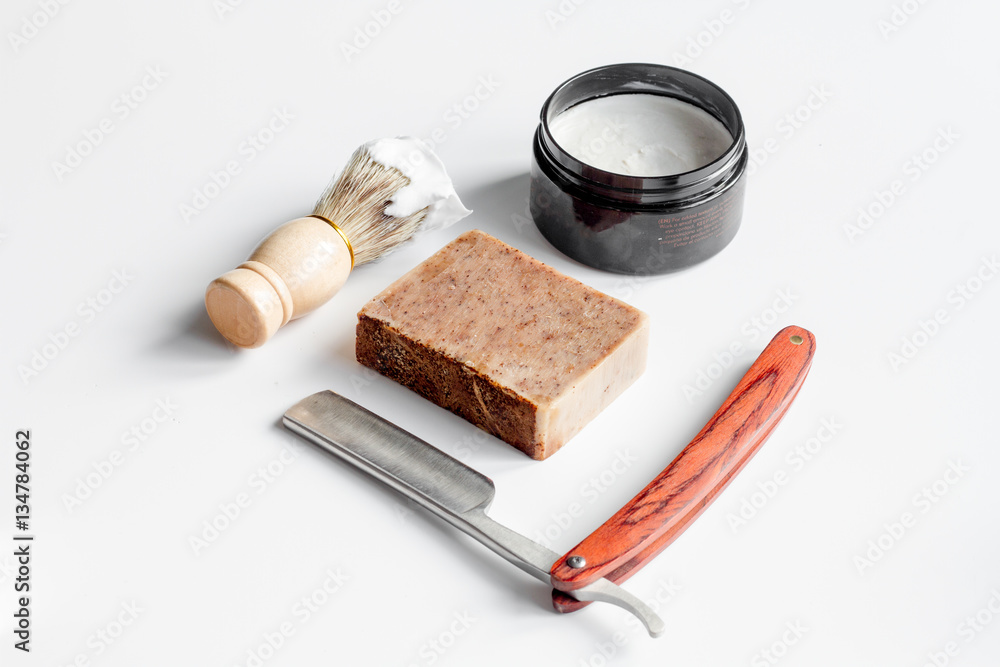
510 344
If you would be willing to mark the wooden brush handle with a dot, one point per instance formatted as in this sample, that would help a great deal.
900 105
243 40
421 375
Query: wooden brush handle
671 502
293 271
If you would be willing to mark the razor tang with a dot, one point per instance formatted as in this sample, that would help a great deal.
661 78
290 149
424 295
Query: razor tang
440 483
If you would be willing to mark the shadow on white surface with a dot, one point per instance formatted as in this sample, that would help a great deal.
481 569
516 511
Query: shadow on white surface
485 565
195 342
500 208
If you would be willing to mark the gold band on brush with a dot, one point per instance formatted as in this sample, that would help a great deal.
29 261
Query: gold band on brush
340 231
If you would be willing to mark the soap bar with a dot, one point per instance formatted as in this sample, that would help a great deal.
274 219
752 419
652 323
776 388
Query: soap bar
504 341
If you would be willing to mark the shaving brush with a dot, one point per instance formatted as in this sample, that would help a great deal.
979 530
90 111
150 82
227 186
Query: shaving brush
390 190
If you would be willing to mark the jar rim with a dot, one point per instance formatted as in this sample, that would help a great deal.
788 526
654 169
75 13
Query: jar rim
631 78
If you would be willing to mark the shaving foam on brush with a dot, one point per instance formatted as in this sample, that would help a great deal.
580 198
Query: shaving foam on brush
390 190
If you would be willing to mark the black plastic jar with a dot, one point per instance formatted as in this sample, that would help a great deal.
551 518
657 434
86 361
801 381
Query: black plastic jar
638 224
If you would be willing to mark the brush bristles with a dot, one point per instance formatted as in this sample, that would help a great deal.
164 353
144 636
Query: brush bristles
356 203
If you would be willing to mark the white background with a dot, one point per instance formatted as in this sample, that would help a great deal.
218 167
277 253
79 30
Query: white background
869 96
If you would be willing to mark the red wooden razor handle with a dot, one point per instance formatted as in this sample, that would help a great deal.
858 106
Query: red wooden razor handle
648 523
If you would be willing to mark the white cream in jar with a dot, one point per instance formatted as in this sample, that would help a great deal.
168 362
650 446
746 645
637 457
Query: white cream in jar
639 134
